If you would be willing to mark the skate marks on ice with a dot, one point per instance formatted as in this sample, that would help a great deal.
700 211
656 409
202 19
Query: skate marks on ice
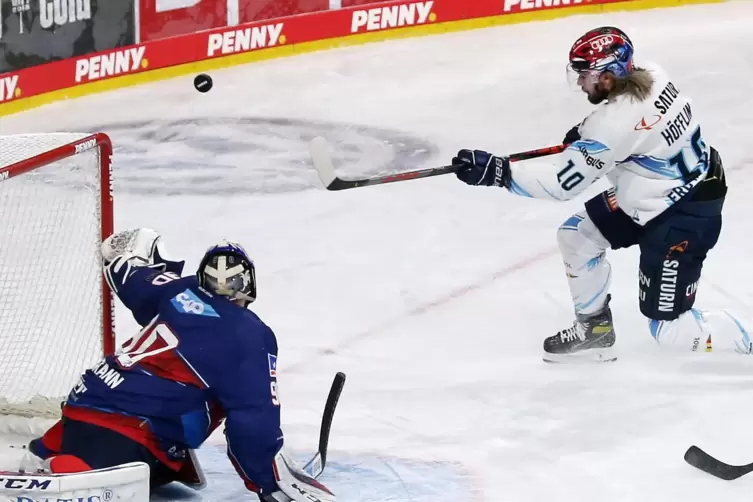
353 478
432 303
247 155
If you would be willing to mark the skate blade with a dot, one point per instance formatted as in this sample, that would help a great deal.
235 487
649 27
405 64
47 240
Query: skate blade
605 355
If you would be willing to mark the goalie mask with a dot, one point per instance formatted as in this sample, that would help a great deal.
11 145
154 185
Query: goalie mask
227 270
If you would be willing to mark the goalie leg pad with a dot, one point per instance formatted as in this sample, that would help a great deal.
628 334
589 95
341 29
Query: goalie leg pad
124 483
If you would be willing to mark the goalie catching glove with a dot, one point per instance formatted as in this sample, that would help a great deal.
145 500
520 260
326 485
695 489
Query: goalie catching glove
141 247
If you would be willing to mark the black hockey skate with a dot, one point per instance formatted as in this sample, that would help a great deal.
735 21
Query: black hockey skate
590 338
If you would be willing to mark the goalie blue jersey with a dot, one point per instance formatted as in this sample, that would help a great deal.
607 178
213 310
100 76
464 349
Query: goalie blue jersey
198 359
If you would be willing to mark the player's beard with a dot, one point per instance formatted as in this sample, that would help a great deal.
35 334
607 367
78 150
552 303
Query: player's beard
589 82
598 95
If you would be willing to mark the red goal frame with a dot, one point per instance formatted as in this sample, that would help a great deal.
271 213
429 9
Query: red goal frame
102 142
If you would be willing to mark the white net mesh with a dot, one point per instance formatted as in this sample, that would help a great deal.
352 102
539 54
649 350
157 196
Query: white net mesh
50 274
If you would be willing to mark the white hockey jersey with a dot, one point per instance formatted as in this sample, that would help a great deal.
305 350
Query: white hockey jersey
652 152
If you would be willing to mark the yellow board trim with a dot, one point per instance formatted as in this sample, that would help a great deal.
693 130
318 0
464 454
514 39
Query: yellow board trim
203 66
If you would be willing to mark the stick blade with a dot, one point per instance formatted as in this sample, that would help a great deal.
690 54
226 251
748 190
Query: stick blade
315 466
322 160
705 462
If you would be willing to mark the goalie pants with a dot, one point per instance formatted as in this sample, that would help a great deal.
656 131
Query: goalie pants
100 448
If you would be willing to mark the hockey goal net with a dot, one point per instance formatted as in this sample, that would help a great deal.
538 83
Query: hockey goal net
55 308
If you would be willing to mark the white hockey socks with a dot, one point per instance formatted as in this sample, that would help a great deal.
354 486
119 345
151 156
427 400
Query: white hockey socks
589 273
703 331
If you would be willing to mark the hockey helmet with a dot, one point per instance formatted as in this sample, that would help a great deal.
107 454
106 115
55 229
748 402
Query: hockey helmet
601 50
227 270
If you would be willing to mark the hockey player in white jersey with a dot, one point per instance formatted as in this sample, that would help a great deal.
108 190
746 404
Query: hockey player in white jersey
667 197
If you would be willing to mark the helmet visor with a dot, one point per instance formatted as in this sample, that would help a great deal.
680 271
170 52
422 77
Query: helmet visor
584 80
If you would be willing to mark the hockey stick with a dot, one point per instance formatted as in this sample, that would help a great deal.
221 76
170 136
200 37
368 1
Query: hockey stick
322 160
315 466
705 462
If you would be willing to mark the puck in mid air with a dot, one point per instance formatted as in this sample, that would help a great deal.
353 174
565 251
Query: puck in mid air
202 82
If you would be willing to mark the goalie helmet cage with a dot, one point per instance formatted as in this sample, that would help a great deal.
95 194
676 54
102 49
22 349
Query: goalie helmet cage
56 311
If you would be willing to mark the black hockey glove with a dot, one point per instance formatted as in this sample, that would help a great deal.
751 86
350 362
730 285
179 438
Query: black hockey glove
572 135
482 168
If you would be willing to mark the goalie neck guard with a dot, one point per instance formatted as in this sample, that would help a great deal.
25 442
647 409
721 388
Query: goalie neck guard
227 270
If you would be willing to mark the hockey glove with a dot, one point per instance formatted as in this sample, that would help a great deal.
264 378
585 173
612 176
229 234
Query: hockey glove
482 168
572 135
141 247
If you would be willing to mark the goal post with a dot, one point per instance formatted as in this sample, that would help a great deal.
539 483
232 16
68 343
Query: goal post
56 310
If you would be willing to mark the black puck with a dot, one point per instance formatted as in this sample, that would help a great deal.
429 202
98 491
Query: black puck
202 82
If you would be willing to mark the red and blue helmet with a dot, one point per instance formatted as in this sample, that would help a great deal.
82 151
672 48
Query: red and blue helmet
601 50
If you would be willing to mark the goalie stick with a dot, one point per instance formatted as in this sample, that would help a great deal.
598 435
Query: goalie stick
322 160
705 462
315 466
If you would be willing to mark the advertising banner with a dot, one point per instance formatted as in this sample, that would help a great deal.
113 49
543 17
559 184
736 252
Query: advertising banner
259 36
168 18
34 32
